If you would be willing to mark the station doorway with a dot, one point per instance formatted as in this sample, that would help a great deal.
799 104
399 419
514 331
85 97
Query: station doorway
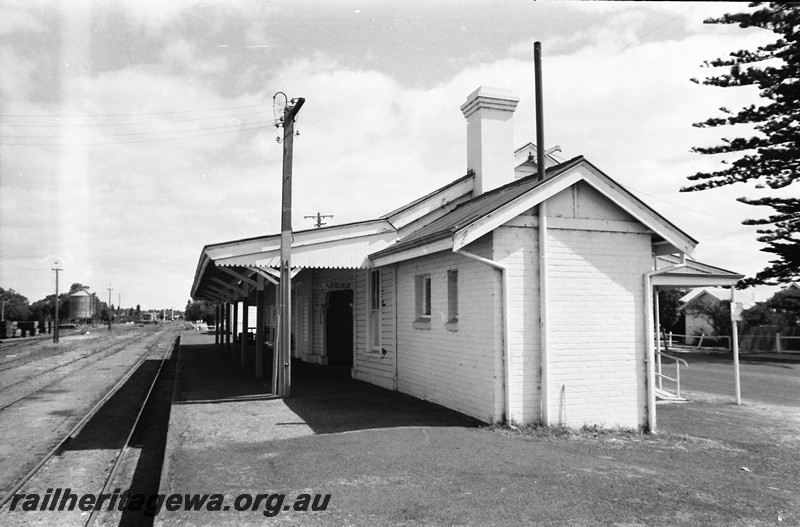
339 327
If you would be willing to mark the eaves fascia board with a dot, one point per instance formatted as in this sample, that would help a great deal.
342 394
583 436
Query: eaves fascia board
202 264
423 206
493 219
695 280
302 238
583 171
655 221
416 250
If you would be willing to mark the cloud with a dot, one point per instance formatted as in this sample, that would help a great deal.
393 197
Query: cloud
136 208
19 16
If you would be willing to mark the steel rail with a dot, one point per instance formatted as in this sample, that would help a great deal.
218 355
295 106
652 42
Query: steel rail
122 346
79 426
123 450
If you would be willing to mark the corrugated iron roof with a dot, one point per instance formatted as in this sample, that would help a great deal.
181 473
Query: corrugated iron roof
693 267
672 272
336 254
476 208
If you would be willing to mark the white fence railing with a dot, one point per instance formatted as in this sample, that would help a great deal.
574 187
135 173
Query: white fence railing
670 340
780 342
661 376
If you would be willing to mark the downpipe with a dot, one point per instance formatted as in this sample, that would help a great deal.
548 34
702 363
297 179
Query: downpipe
649 340
506 369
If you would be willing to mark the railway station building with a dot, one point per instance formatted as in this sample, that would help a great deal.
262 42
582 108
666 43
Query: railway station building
500 295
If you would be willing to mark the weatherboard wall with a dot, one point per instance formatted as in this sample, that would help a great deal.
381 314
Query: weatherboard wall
376 364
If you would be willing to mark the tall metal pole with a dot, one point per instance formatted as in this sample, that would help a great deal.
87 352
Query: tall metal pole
55 326
108 311
284 352
735 345
537 70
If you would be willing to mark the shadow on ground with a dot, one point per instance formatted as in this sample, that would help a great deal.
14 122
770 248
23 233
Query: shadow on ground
324 399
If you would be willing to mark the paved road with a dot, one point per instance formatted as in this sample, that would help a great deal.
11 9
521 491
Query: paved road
775 381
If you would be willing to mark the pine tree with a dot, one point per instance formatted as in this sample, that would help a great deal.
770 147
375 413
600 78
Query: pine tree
771 156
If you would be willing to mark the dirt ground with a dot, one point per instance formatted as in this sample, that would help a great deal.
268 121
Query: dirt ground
388 459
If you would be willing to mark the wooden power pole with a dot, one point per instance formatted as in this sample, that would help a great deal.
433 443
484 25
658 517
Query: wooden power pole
55 326
109 312
318 219
283 357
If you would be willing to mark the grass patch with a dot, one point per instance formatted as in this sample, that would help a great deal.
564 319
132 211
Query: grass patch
615 437
560 432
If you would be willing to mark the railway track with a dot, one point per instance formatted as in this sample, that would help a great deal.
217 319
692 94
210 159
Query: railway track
165 340
96 356
12 351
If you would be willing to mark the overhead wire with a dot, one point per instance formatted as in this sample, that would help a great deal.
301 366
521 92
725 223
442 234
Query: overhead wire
681 206
156 134
174 112
185 130
99 143
146 123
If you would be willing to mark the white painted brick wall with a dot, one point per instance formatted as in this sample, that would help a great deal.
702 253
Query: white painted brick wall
518 249
596 320
460 369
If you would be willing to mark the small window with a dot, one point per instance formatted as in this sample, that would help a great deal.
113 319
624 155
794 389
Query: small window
423 301
375 293
452 297
375 309
426 297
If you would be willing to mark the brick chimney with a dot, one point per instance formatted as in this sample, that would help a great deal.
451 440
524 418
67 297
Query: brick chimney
490 137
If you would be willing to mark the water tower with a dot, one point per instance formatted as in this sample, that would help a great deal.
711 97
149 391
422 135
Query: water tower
80 305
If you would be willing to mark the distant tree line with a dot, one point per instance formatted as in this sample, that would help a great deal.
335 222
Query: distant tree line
201 310
17 308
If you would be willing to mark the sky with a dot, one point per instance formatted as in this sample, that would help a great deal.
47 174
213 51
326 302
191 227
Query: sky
132 134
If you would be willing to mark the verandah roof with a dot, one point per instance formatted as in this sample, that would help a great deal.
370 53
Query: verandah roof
673 272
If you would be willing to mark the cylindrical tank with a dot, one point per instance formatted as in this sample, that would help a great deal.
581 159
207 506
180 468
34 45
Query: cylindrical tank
80 305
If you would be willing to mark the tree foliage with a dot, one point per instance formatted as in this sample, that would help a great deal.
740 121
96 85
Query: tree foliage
200 310
16 306
771 156
77 286
786 304
717 314
781 309
45 308
669 303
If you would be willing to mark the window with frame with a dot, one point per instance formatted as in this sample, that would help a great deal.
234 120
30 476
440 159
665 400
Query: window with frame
452 299
375 309
423 301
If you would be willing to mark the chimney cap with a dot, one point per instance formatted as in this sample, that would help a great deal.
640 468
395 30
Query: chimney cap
489 97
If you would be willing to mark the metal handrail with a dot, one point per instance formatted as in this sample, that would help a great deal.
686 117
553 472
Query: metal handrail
677 379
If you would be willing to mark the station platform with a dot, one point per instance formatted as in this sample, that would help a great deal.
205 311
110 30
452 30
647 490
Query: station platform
228 435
